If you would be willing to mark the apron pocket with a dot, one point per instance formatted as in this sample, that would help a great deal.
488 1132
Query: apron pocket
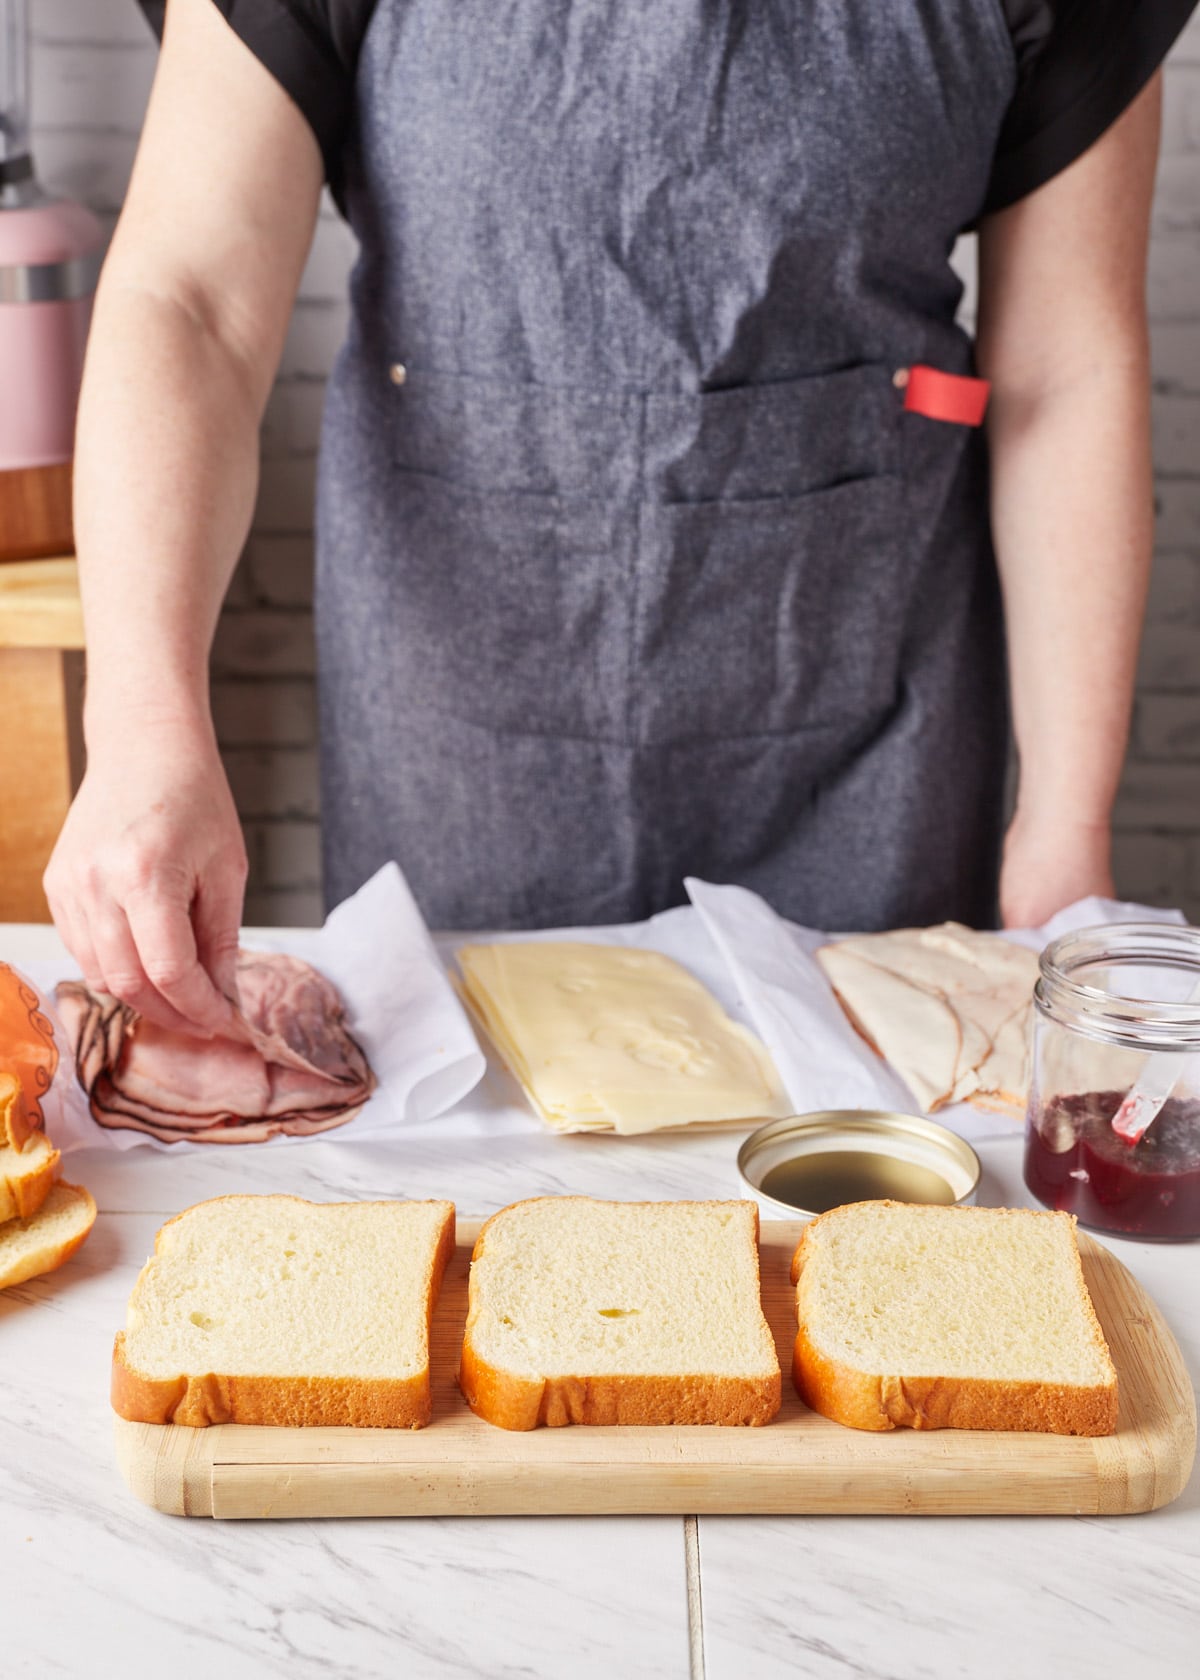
527 440
761 442
768 617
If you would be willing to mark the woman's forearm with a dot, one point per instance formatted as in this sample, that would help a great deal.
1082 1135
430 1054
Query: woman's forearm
190 319
146 881
165 480
1062 337
1072 517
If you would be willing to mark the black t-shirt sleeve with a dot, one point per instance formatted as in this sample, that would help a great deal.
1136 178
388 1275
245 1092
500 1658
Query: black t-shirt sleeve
311 49
1079 64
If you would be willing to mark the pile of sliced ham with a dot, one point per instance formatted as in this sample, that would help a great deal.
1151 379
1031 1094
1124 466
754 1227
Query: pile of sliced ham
289 1064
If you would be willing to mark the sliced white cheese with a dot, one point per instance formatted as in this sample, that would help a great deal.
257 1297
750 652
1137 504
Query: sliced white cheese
603 1037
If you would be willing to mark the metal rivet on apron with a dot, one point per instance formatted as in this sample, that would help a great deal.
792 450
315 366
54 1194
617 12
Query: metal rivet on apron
900 378
397 373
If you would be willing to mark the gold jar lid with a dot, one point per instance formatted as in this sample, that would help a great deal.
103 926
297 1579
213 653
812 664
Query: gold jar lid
807 1163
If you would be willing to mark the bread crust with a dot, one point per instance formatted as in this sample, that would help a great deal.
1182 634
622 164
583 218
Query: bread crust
22 1194
199 1399
53 1255
512 1401
875 1401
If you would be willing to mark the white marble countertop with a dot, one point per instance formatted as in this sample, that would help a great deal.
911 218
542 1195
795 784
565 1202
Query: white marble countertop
94 1584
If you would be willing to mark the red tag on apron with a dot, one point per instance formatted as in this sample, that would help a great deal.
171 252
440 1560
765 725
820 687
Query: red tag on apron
946 396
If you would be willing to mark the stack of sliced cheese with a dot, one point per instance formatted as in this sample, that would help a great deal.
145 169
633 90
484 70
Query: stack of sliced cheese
949 1008
603 1038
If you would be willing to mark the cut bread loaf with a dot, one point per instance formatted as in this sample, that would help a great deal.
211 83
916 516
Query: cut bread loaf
943 1317
26 1176
29 1247
585 1311
274 1310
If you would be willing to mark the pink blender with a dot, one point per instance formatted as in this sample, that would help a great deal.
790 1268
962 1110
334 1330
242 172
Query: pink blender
50 252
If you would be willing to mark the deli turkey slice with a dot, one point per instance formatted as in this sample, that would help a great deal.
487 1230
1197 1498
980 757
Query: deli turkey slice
948 1007
289 1064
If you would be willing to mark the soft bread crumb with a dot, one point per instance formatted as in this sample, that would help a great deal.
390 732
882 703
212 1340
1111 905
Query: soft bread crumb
274 1310
46 1240
574 1303
988 1302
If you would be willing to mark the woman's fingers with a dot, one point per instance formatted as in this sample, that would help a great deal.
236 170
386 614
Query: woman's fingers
217 921
160 928
146 880
123 973
72 925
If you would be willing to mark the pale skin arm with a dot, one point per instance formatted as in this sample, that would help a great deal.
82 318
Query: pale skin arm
1063 338
146 882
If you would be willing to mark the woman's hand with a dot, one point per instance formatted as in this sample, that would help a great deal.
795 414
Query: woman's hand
1050 862
147 879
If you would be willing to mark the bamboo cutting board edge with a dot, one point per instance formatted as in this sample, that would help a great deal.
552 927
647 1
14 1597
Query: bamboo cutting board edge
800 1463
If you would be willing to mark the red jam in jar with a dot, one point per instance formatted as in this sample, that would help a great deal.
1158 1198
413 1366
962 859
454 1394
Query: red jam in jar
1117 1010
1148 1189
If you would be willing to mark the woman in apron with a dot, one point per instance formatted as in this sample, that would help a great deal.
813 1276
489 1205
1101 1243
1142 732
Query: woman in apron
653 509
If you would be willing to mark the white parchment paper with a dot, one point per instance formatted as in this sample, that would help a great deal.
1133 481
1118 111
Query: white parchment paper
419 1040
399 1004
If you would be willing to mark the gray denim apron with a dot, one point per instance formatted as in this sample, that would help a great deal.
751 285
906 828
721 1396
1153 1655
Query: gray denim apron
631 562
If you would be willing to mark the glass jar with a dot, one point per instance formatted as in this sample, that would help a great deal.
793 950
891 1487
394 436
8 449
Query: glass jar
1110 1003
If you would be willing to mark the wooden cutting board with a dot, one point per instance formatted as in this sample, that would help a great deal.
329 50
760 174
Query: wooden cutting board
462 1466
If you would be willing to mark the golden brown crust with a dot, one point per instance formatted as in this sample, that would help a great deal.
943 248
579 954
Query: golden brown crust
863 1401
873 1401
513 1401
22 1194
50 1258
285 1402
198 1400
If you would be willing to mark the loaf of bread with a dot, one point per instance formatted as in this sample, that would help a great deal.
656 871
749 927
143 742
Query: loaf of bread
28 1161
943 1317
28 1056
47 1240
26 1176
274 1310
41 1223
598 1312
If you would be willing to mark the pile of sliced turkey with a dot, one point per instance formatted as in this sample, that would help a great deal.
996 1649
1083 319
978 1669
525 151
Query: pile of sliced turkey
948 1007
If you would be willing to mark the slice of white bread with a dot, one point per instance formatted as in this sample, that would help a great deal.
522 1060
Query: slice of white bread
26 1176
274 1310
944 1317
43 1243
585 1311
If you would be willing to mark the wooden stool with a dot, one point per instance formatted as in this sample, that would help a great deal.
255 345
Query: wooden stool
41 740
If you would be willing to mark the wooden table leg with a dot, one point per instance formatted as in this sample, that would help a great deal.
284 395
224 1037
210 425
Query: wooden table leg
39 760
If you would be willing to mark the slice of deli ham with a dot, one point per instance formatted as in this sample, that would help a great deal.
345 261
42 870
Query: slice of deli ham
289 1065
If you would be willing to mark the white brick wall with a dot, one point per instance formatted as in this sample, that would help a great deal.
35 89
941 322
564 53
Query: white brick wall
93 61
